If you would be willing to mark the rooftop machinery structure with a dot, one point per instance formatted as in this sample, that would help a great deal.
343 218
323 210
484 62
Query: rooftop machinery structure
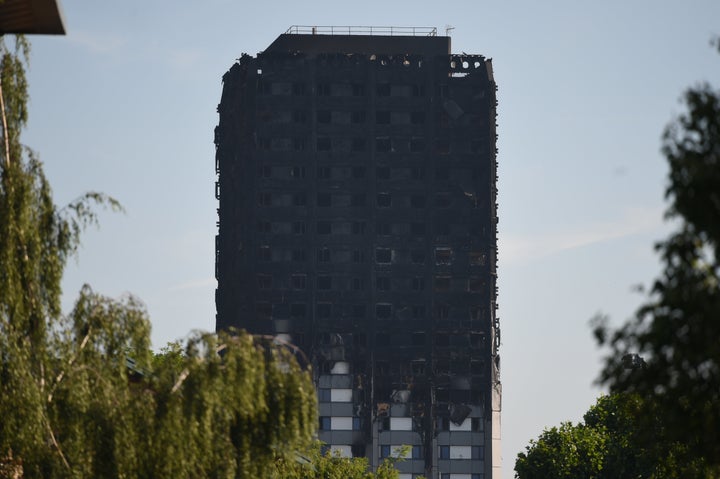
357 219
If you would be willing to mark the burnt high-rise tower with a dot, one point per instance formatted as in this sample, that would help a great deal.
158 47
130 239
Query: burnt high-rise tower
357 218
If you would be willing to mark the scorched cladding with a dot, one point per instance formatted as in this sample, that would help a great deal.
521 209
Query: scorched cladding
357 219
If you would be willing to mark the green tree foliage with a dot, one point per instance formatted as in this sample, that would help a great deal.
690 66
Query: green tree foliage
81 395
614 441
35 241
315 465
677 331
565 452
228 406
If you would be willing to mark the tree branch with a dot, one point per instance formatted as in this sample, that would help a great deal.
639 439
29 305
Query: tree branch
57 446
70 363
6 138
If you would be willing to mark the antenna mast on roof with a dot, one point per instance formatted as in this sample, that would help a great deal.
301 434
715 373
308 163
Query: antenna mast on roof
448 29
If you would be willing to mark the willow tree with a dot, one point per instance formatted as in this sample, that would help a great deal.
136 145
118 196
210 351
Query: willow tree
35 241
80 395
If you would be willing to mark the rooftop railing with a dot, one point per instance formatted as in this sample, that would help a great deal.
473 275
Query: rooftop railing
361 30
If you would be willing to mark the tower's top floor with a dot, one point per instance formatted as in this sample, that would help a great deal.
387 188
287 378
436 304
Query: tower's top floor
363 40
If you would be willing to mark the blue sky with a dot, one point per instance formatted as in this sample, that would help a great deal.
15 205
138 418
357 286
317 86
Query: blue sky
125 104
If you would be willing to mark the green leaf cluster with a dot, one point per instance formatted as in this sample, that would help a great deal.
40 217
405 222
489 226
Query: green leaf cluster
616 440
565 452
677 331
313 464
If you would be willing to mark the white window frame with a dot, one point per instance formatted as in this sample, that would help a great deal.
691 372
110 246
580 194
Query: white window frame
401 424
341 423
341 395
466 425
461 452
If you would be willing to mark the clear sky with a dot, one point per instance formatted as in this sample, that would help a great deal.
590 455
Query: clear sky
125 104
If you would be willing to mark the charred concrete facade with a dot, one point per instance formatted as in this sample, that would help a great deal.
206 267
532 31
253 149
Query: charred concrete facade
357 219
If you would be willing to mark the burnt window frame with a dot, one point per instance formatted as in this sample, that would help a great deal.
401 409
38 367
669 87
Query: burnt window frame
263 309
323 255
357 284
299 227
299 116
358 200
265 171
323 172
264 281
476 284
477 258
323 282
298 255
299 199
323 200
383 311
323 310
298 88
417 145
417 118
418 201
382 117
358 256
264 198
323 143
323 228
418 256
298 281
358 117
418 228
297 172
358 145
443 200
383 255
263 226
442 283
444 255
442 146
299 144
323 89
358 228
383 199
323 116
383 144
298 310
